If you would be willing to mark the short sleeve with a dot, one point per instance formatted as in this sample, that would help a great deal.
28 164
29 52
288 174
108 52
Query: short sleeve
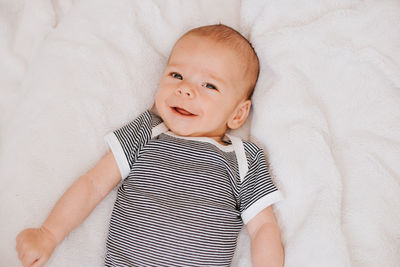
257 191
126 142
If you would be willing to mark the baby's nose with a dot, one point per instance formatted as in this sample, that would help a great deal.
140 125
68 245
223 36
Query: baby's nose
185 92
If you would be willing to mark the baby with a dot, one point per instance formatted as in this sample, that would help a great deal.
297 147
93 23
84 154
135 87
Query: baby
187 186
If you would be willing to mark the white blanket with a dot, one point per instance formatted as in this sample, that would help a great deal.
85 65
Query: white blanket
326 110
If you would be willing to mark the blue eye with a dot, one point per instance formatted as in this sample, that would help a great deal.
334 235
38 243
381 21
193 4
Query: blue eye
210 86
176 76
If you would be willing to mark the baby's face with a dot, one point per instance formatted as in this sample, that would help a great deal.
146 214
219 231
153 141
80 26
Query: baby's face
202 91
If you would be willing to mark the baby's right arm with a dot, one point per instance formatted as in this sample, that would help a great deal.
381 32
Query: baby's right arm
35 245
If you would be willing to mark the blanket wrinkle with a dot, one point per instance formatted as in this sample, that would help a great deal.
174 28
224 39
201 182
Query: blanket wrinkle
61 8
373 55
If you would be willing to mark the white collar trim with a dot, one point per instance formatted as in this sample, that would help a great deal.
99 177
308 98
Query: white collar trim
228 148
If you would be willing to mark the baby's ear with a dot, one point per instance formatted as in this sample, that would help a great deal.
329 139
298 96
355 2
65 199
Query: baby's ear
240 115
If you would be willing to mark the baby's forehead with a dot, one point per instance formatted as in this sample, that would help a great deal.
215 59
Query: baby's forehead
241 55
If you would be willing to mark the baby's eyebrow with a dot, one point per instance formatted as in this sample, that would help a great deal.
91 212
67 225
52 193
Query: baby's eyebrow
172 65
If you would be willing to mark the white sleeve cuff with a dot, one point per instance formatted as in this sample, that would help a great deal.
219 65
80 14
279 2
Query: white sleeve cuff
261 204
119 154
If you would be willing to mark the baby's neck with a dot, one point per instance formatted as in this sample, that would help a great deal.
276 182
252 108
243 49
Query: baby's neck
219 140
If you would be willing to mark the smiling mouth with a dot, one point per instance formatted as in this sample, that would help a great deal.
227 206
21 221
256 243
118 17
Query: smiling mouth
182 111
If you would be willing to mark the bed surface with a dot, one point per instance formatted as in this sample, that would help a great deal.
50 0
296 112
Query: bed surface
326 110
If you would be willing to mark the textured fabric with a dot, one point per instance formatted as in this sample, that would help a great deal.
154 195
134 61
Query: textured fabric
182 202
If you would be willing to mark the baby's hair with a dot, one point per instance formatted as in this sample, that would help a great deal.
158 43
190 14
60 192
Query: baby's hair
228 35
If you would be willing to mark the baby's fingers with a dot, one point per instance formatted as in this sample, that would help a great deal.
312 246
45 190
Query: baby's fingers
20 249
29 258
19 240
40 262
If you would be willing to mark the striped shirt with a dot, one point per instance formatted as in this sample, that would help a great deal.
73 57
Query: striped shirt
183 200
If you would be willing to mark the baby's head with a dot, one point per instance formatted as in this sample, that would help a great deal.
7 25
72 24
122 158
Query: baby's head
208 82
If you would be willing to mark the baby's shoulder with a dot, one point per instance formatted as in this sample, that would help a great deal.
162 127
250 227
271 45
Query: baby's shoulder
155 118
254 153
251 147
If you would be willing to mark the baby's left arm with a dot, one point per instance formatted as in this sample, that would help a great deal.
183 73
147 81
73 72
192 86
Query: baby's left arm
266 245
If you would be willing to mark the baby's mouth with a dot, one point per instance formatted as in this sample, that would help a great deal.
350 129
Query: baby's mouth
182 111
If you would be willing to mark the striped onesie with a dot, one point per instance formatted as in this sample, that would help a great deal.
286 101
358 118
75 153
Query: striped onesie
183 200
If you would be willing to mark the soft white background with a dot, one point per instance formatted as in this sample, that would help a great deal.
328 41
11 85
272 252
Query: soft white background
326 110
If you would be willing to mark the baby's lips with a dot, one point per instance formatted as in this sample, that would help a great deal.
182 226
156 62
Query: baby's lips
183 111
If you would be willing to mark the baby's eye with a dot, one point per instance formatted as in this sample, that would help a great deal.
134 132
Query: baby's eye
210 86
176 76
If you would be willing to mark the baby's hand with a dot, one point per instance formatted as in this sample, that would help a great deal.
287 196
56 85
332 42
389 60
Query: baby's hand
35 246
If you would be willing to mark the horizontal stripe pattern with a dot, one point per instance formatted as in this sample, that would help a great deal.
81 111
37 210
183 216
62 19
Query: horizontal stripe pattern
182 201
